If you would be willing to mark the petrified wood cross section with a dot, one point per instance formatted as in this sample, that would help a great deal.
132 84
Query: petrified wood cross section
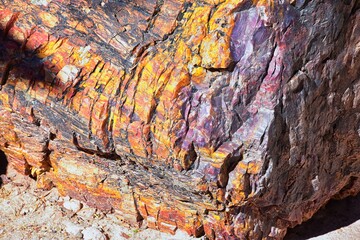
230 118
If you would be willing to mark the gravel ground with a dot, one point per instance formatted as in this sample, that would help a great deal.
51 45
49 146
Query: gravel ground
30 213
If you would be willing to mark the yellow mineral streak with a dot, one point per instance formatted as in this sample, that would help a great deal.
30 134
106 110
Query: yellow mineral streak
159 77
50 48
215 47
49 20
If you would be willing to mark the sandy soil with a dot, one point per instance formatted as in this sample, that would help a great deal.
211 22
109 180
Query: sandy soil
30 213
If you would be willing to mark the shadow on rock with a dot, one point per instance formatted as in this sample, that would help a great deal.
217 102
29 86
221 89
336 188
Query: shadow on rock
336 214
3 165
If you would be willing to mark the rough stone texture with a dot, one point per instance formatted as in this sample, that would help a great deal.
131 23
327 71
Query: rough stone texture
28 212
234 119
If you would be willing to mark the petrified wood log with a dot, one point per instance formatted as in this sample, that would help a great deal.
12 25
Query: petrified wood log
236 119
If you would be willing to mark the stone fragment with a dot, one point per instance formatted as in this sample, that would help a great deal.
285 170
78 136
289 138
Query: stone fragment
86 212
92 233
73 229
72 205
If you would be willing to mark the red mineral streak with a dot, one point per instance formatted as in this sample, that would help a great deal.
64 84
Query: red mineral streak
214 117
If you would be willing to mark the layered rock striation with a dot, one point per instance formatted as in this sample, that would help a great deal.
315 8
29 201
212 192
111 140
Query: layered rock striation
233 119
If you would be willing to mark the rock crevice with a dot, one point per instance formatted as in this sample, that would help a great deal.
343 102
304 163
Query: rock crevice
233 119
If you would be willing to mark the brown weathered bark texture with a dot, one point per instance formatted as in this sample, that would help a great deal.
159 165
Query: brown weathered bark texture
234 119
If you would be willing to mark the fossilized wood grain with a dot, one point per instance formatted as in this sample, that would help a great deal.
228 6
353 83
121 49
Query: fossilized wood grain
236 119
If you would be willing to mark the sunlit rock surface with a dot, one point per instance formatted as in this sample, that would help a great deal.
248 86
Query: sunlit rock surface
234 119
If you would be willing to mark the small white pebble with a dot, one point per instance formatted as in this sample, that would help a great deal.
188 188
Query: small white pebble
92 233
72 205
73 229
66 198
86 212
